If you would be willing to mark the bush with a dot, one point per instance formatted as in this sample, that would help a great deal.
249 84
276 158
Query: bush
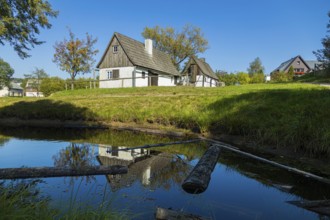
280 77
258 78
51 85
228 79
243 78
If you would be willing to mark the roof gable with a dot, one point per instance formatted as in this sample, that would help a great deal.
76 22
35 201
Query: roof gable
286 65
203 66
138 56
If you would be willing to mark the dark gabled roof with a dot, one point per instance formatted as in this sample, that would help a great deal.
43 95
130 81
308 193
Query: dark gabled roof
285 65
137 54
314 64
204 67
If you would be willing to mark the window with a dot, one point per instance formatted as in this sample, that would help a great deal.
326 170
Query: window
298 62
115 48
143 75
109 74
115 74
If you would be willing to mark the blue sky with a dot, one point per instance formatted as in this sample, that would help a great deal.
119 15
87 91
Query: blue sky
238 31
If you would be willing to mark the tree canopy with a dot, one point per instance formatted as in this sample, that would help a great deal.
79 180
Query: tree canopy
323 55
37 76
6 72
178 44
75 56
255 67
20 22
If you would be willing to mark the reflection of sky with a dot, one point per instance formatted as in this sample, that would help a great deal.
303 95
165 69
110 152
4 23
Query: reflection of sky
229 195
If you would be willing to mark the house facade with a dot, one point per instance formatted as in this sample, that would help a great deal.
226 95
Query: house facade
13 90
31 88
300 66
198 73
130 63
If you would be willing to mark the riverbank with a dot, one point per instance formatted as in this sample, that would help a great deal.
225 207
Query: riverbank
293 117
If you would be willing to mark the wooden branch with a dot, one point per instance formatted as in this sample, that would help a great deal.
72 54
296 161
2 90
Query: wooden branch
199 178
36 172
158 145
319 206
294 170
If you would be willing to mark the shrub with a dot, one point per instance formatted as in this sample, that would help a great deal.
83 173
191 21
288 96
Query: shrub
51 85
243 78
258 78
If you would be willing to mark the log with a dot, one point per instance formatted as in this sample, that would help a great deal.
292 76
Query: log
291 169
165 214
38 172
199 178
319 206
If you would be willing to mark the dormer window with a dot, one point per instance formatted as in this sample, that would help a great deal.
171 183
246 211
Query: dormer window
115 49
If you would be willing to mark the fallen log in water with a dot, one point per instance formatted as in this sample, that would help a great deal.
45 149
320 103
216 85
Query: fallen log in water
165 214
37 172
199 178
319 206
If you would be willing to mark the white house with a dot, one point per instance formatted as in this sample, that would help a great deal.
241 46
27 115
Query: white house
130 63
14 90
31 88
198 73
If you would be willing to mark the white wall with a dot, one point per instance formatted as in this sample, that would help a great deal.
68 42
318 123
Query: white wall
4 92
208 81
127 72
34 94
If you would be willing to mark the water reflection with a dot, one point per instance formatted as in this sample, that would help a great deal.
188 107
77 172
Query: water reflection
153 169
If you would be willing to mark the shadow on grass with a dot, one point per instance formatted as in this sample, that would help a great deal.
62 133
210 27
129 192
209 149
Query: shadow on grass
297 119
46 109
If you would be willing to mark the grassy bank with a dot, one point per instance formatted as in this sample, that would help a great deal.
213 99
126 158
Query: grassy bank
294 116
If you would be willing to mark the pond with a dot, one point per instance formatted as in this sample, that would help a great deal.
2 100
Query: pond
240 188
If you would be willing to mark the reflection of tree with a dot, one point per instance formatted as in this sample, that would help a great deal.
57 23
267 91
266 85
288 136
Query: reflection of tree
174 173
75 156
3 140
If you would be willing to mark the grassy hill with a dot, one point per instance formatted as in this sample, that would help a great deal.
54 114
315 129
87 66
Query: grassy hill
295 116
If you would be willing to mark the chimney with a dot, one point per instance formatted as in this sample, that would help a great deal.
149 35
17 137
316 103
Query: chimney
148 46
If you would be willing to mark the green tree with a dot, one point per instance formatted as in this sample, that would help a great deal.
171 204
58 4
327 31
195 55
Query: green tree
51 85
6 72
243 78
228 79
258 78
279 76
323 55
290 73
178 44
255 67
20 22
36 77
75 56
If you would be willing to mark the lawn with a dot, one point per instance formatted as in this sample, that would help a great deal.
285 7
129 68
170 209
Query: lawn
295 116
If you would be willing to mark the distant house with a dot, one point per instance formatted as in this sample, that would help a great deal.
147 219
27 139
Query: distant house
14 90
300 66
130 63
31 88
199 73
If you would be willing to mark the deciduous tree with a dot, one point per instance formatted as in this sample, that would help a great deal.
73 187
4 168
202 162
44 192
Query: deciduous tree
20 22
255 67
323 55
36 77
178 44
75 56
6 72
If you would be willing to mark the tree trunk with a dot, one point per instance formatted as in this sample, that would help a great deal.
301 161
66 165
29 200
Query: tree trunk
199 178
38 172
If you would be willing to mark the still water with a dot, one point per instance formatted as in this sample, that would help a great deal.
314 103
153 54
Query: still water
240 188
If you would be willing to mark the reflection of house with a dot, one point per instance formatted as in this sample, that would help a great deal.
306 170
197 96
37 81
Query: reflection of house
199 73
142 164
31 88
14 90
130 63
300 66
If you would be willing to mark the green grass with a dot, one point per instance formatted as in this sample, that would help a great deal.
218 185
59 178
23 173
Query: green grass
294 116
